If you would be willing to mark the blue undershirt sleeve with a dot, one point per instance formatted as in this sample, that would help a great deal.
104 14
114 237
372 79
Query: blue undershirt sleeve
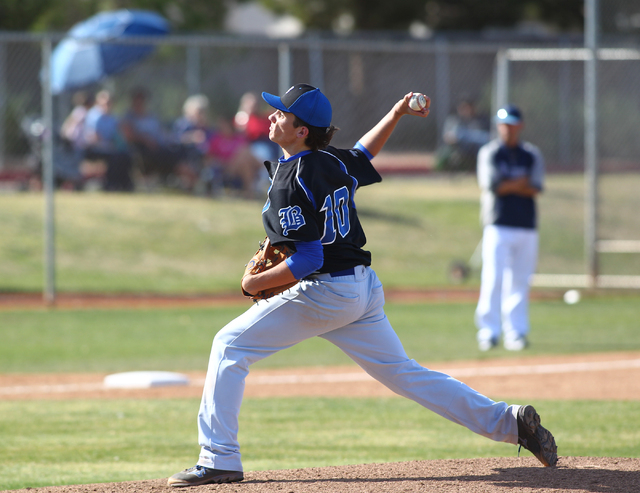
363 149
308 258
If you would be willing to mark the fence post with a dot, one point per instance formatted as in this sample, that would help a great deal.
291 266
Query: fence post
3 101
501 84
49 294
193 69
501 96
591 140
443 83
564 108
316 63
284 68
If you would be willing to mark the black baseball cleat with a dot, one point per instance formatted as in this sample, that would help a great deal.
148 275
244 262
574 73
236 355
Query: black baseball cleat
535 438
197 475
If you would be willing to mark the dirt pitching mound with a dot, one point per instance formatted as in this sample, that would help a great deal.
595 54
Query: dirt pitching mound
522 474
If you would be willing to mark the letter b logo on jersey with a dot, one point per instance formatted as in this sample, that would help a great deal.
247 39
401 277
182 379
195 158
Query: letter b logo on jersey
291 218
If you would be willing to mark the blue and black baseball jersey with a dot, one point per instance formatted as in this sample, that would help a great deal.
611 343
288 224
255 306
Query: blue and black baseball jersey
311 198
497 162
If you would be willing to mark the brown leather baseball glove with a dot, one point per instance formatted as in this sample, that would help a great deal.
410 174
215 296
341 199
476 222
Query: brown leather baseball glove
265 258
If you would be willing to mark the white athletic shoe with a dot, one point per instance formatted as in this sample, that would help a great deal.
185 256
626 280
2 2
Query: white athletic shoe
515 343
486 340
486 345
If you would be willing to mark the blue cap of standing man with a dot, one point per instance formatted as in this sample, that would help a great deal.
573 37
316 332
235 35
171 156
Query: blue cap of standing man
509 115
304 101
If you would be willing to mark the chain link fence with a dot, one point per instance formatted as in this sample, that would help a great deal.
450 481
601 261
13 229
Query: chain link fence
549 84
364 78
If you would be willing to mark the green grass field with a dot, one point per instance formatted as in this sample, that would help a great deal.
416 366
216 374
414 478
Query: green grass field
177 244
183 244
84 441
180 339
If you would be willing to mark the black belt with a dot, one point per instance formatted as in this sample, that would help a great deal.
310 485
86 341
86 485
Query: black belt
347 272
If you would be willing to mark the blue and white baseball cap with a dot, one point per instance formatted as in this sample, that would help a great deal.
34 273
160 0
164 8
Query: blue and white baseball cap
304 101
509 115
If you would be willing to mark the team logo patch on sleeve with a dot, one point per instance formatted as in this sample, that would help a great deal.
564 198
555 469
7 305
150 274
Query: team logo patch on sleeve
291 218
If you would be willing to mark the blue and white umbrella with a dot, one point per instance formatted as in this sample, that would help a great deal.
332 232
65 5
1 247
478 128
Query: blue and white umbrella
85 55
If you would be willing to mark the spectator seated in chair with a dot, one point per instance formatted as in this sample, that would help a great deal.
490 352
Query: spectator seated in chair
153 148
463 135
103 142
230 159
192 132
252 121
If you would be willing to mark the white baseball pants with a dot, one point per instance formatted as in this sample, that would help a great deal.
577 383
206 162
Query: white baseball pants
347 311
509 258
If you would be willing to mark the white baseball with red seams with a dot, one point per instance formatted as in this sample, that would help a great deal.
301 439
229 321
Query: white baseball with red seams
418 102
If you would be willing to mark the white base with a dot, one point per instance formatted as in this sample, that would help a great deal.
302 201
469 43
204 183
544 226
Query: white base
144 379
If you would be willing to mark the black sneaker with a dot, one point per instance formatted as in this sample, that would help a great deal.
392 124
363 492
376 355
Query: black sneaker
535 438
198 475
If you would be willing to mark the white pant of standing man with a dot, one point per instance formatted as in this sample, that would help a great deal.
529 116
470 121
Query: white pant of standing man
509 258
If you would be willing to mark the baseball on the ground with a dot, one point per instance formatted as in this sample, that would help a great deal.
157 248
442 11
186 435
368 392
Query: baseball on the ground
572 297
418 102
